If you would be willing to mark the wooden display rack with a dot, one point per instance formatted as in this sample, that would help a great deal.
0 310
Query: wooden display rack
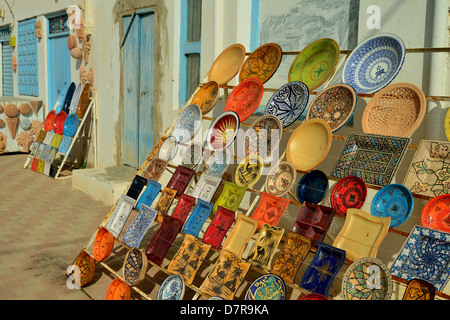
120 246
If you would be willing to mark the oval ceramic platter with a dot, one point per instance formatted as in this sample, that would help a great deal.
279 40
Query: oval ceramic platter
217 163
71 125
267 287
58 126
75 99
249 171
315 63
172 288
188 123
207 96
312 187
168 148
68 99
436 213
281 179
349 192
245 98
223 131
367 279
263 136
61 99
50 120
288 102
374 63
335 105
395 201
262 63
226 66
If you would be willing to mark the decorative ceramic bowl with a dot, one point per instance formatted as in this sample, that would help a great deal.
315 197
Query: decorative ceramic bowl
68 99
192 156
245 98
61 98
262 63
188 123
71 125
397 110
335 105
172 288
263 136
374 63
395 201
309 144
58 126
281 179
249 171
24 108
207 96
11 110
223 131
134 267
87 268
288 102
217 163
50 121
349 192
25 123
118 290
168 149
267 287
75 99
312 187
419 289
436 213
315 63
103 244
83 102
227 64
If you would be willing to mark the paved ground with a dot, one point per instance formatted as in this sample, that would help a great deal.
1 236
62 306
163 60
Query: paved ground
44 223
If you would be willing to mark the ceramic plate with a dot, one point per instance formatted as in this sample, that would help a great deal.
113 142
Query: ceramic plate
226 66
83 102
118 290
245 98
281 179
315 63
134 267
395 201
312 187
223 131
265 246
309 144
197 218
25 123
267 287
168 149
270 209
425 255
207 96
374 63
71 125
427 174
367 279
188 123
206 187
50 121
75 99
138 228
436 213
60 119
217 163
249 171
262 63
240 234
288 102
193 156
335 105
180 179
263 136
373 158
349 192
172 288
418 289
103 244
61 99
69 96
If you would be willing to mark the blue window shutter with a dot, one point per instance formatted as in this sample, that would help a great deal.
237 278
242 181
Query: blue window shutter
27 69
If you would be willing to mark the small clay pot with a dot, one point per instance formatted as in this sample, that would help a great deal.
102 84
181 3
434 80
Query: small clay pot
25 108
11 110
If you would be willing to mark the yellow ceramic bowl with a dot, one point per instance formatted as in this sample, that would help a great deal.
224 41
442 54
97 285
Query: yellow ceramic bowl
309 144
227 64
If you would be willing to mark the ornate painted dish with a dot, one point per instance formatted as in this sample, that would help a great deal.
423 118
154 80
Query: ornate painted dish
267 287
134 266
83 102
171 289
155 169
249 171
349 192
120 214
245 98
315 63
226 66
231 196
265 246
374 63
68 99
240 234
65 145
61 99
217 163
281 179
362 234
262 63
425 255
206 187
197 218
58 126
168 149
118 290
180 179
336 105
436 213
87 268
309 144
149 195
427 174
71 125
103 244
50 121
183 207
418 289
223 131
207 96
288 102
218 228
312 187
25 123
75 99
138 228
372 158
270 209
397 110
395 201
192 156
263 136
367 279
188 123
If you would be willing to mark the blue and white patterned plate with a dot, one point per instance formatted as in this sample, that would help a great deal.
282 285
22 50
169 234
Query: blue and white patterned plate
138 228
395 201
71 125
217 164
188 123
374 63
172 288
288 102
425 255
75 99
267 287
61 99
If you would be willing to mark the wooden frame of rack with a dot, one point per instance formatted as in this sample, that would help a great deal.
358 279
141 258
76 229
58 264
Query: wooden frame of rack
225 88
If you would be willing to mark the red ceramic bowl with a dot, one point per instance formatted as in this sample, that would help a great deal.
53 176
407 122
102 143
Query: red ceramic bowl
103 244
50 121
436 213
58 126
349 192
245 98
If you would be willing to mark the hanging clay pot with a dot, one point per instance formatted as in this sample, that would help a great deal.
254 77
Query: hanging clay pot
25 108
76 53
14 63
12 126
2 142
72 42
11 110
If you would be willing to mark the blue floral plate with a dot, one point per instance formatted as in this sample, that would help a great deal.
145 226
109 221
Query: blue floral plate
374 63
395 201
71 125
188 123
312 187
288 102
172 288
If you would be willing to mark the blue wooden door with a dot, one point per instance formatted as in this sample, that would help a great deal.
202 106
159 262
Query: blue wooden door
138 87
7 71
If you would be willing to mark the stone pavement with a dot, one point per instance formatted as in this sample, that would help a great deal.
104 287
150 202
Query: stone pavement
44 223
